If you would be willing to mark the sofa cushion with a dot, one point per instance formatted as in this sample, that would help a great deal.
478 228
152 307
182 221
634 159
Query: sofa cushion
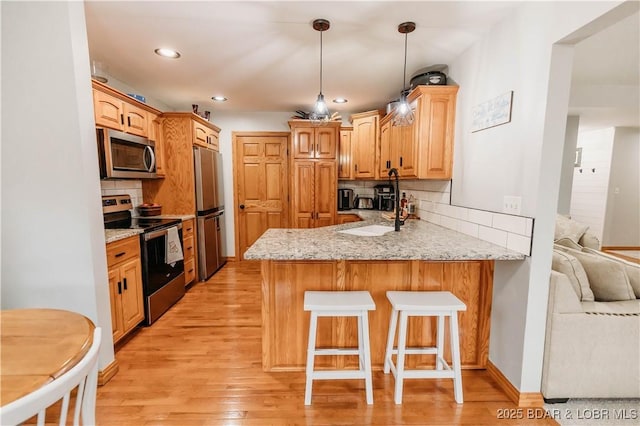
607 278
632 269
568 242
569 228
622 308
567 264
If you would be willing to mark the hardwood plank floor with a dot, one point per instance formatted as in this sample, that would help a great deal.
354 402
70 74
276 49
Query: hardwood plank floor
200 364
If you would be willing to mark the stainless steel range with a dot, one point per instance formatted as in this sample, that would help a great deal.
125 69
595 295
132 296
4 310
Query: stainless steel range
162 281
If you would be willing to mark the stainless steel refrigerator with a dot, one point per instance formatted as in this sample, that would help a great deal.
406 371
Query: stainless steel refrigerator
210 211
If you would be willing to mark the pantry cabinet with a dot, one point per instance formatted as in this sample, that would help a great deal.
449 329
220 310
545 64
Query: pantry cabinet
315 193
364 142
309 142
125 286
344 154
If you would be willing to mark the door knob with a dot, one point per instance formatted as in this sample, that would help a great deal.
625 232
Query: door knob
241 206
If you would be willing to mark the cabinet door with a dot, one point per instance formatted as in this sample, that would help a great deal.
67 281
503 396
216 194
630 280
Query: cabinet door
384 156
303 194
326 142
200 133
348 218
132 304
407 151
365 136
439 127
155 134
303 142
115 292
326 188
108 111
344 155
213 139
136 121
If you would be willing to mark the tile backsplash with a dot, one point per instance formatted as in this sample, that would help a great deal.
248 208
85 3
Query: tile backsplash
433 202
133 187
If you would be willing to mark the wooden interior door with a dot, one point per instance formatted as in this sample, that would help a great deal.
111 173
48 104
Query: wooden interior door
261 187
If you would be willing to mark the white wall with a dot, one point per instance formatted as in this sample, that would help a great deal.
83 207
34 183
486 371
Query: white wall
568 161
521 158
53 247
591 179
622 217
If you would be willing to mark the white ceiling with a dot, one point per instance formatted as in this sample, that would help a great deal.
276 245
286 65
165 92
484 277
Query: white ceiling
264 55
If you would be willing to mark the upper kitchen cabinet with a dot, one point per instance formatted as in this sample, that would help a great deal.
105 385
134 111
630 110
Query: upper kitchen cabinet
423 150
344 153
311 142
364 142
205 134
115 110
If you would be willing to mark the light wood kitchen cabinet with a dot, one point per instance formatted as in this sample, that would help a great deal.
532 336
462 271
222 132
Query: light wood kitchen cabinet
314 193
155 135
176 192
125 285
423 150
314 142
364 142
116 110
344 154
205 134
189 250
348 218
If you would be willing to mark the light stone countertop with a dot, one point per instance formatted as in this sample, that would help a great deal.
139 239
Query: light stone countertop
112 235
417 240
169 216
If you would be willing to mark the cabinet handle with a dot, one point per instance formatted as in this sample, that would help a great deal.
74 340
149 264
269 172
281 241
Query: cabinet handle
356 168
122 119
121 254
125 283
400 161
191 270
129 121
119 287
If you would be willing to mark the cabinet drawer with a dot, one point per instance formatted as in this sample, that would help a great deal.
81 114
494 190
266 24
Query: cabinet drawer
122 250
189 271
188 248
188 228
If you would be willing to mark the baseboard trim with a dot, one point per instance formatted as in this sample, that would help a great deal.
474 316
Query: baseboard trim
521 399
108 372
231 258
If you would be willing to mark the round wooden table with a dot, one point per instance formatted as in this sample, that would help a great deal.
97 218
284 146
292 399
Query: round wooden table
39 345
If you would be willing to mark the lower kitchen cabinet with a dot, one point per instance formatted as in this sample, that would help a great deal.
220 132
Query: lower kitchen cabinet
348 218
314 190
125 286
189 250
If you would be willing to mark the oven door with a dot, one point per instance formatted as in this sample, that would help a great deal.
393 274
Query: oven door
156 273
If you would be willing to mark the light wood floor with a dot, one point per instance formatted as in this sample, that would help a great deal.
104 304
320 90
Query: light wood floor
200 364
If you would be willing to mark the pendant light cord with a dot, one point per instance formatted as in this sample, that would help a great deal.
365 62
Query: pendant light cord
321 61
404 74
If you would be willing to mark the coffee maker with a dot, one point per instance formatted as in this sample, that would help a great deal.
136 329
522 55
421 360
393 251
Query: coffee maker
345 199
384 197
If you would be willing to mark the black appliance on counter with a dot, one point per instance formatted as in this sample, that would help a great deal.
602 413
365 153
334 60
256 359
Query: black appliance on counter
384 197
345 199
162 283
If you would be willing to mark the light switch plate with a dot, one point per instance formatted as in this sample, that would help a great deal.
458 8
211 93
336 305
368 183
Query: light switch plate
512 205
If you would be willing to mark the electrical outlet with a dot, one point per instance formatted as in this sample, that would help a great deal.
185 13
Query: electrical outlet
512 205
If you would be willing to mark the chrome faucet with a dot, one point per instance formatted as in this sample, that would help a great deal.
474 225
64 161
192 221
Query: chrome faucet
397 222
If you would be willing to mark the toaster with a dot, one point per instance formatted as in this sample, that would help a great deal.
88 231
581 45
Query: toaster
363 203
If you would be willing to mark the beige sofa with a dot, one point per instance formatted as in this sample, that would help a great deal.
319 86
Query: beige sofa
592 344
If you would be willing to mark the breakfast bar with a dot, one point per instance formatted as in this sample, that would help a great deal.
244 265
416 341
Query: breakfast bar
421 257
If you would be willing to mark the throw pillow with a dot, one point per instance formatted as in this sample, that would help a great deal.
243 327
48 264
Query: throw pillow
632 269
570 266
589 240
568 228
568 242
608 279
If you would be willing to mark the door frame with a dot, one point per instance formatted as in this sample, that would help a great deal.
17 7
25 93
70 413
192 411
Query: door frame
236 211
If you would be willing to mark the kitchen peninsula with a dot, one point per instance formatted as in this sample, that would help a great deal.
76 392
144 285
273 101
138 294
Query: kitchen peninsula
421 257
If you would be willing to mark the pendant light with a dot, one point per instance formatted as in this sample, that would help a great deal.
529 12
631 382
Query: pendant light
403 115
320 113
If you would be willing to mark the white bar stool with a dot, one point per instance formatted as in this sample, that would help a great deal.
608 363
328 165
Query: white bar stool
339 304
424 303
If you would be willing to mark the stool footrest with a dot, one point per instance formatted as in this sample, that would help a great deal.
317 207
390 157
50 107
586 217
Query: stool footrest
336 351
418 351
338 374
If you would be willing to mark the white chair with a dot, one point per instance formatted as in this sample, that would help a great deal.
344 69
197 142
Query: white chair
424 303
339 304
83 376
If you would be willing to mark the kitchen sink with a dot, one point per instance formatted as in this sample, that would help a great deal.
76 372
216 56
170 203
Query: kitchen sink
368 231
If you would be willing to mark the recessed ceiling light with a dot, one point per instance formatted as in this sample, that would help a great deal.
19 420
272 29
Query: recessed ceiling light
340 101
167 53
219 98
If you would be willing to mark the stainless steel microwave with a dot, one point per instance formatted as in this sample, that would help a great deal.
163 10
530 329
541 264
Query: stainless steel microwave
125 156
